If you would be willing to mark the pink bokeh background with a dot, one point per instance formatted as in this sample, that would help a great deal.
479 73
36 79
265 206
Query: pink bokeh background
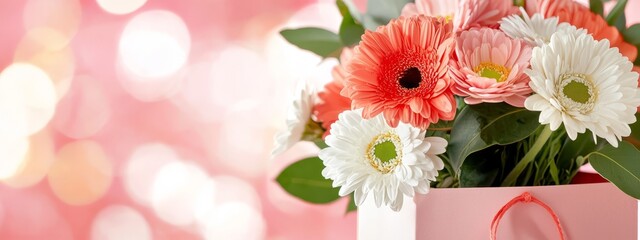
160 119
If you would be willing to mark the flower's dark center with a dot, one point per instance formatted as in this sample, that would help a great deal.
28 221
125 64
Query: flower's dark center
410 78
409 73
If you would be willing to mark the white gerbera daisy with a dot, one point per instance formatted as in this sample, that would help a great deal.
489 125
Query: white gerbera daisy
298 117
584 84
535 30
367 156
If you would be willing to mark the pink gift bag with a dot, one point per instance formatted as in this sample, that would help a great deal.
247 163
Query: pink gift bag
584 211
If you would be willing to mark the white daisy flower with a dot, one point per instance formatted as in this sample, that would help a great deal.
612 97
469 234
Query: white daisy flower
367 156
535 30
298 116
584 84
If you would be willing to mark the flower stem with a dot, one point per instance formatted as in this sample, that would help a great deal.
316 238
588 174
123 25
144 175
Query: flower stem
530 156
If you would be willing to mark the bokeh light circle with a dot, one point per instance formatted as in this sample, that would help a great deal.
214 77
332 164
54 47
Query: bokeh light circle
37 161
238 74
142 167
62 15
149 89
154 44
84 111
235 220
233 189
27 100
205 203
81 173
13 154
118 222
120 6
248 154
175 191
47 49
42 39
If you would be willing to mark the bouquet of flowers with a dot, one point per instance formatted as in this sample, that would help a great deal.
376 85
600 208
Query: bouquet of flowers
466 93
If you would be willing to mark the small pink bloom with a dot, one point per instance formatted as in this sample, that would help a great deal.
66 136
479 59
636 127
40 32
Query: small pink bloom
482 13
490 67
331 102
580 16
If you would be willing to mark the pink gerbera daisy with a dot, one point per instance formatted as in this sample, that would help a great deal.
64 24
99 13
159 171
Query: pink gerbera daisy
434 8
331 102
482 13
490 67
400 70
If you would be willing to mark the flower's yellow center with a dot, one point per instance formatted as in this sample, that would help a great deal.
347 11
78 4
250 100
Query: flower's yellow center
385 152
447 18
577 92
519 3
492 70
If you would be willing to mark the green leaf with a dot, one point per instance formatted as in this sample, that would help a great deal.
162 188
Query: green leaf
352 204
350 32
620 166
319 41
616 12
580 161
632 35
481 168
553 171
621 24
596 7
571 149
350 28
304 180
380 12
347 7
484 125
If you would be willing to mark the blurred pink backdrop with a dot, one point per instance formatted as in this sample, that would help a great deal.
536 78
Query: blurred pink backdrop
154 119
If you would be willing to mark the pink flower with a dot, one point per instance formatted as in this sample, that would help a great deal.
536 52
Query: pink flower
434 8
490 67
400 70
580 16
482 13
331 102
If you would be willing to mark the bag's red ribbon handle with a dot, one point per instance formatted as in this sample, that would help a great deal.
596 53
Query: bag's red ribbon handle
525 198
